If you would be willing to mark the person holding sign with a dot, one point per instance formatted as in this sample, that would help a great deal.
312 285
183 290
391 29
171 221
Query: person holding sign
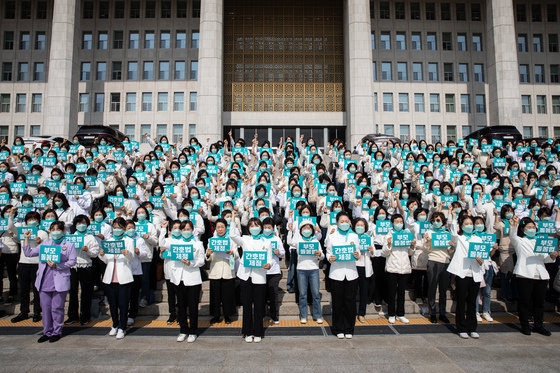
141 252
81 274
274 274
56 257
222 254
342 252
531 273
506 252
173 229
149 234
378 229
363 265
63 211
80 203
397 248
27 270
255 261
469 273
187 256
118 255
489 269
439 248
309 253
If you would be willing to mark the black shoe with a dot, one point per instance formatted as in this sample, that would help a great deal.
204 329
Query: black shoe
526 331
19 318
542 330
433 319
9 300
54 338
70 321
84 322
42 339
171 319
215 320
37 318
444 319
227 320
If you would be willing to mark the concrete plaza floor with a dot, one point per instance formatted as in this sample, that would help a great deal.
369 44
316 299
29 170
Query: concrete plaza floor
426 352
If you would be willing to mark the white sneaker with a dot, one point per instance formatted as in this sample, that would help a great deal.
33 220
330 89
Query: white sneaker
181 337
113 332
487 317
303 321
403 319
474 335
120 334
257 339
276 322
319 321
249 339
129 322
348 336
419 301
464 335
478 318
192 338
143 303
340 336
391 319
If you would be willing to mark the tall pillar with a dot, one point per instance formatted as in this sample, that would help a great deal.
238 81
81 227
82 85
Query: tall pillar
62 101
504 102
210 70
358 70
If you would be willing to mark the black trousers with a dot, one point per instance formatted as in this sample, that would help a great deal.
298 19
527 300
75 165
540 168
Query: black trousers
135 296
379 280
272 282
466 293
532 294
27 274
171 297
343 298
437 276
420 281
82 277
98 268
396 287
188 297
222 296
363 285
10 262
253 298
119 297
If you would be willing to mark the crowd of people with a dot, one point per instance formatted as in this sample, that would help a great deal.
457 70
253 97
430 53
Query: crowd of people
378 219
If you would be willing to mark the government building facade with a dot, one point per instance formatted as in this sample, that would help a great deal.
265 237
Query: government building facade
434 70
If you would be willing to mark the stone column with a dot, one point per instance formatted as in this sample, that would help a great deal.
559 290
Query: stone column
210 71
504 101
358 71
62 87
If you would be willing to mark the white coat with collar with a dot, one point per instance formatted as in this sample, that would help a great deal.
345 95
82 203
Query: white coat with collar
248 243
341 271
398 258
178 271
463 266
123 263
529 264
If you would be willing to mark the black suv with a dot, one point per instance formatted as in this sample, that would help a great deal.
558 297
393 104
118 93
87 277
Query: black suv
88 134
504 133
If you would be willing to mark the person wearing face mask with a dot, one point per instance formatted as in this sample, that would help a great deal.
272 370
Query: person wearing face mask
438 261
506 253
63 211
82 274
185 275
118 278
173 229
274 274
469 274
490 269
364 267
27 270
531 273
419 259
379 261
253 280
9 252
222 275
486 210
53 280
343 277
140 253
307 269
81 205
398 269
147 232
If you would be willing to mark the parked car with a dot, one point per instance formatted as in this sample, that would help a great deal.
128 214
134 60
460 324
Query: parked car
504 133
88 134
380 138
28 142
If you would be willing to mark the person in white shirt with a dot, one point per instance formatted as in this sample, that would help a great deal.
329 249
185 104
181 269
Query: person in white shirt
141 253
274 274
308 270
364 266
185 274
253 280
344 277
468 275
532 276
118 278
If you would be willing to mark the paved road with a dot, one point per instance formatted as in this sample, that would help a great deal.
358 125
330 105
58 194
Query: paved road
430 352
